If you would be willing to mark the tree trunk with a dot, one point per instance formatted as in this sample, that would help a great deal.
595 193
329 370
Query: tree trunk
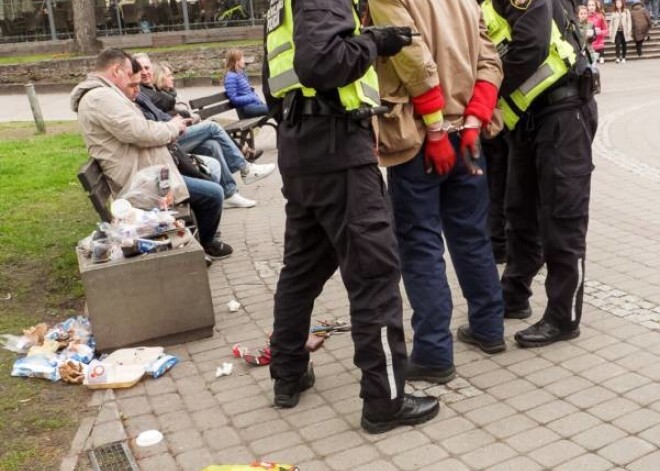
84 25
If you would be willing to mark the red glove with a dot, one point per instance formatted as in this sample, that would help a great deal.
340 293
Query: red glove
483 101
429 104
471 150
439 154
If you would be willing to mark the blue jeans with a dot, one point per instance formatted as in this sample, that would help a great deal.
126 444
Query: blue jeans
252 111
208 138
426 208
206 199
214 167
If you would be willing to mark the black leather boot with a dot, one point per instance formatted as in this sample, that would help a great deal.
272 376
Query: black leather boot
287 393
414 410
543 333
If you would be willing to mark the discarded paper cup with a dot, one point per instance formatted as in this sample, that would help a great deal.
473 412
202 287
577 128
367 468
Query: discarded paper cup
233 305
149 438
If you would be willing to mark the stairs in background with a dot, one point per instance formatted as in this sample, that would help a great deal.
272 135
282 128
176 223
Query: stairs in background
650 48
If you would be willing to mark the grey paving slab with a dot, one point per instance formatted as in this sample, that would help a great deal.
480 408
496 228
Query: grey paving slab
589 404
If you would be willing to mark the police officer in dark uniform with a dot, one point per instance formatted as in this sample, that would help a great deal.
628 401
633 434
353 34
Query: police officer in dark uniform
496 152
547 97
320 84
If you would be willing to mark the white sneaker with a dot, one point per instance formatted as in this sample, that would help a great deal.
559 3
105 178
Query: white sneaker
256 172
237 201
601 60
623 61
616 61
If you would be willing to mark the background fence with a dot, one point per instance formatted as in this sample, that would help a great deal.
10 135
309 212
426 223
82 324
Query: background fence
39 20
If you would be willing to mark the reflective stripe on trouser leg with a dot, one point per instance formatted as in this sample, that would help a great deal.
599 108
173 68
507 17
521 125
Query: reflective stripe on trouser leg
580 263
388 362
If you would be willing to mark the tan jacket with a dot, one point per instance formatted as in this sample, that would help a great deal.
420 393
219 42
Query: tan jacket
453 50
624 20
120 138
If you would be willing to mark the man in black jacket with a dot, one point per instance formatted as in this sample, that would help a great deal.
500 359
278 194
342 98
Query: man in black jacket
549 177
337 209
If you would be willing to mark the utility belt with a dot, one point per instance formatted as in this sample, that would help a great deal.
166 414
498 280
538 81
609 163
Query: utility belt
296 105
582 87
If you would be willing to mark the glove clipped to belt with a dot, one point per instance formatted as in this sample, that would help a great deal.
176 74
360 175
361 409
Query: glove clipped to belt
439 154
389 39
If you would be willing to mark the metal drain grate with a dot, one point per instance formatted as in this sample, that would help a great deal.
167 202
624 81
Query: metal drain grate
114 456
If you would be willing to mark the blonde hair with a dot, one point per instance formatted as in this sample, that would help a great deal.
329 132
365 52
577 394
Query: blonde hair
160 70
231 59
582 8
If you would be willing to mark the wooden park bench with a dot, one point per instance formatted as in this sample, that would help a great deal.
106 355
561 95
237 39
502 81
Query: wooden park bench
242 131
96 185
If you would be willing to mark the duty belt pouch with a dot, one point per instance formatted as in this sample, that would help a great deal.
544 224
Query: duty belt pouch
589 83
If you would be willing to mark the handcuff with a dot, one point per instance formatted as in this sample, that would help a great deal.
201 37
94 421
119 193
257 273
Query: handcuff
468 159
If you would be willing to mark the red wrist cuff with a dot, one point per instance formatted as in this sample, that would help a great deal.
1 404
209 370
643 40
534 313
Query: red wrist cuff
483 101
429 102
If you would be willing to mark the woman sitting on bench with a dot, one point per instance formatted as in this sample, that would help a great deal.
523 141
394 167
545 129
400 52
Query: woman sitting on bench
238 89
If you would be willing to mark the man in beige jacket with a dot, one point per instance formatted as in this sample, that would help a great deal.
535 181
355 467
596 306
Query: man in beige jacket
443 90
124 142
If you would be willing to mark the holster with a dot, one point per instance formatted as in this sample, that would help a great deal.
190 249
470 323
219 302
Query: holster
589 83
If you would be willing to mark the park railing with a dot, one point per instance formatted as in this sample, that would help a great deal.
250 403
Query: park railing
39 20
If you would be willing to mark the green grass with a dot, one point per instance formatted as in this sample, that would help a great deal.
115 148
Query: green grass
31 58
43 213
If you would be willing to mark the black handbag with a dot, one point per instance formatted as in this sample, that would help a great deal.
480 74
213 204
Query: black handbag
188 164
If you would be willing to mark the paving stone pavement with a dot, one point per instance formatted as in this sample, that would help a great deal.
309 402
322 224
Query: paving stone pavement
589 404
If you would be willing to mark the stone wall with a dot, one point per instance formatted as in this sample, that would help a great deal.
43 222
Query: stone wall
203 61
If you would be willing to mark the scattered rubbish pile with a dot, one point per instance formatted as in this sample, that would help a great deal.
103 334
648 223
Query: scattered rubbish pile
66 352
134 232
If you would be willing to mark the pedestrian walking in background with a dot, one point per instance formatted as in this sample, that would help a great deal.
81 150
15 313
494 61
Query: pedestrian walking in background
620 29
654 9
641 24
597 18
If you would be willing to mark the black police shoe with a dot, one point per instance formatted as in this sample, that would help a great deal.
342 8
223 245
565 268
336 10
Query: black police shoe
415 372
414 410
543 333
464 334
523 313
287 393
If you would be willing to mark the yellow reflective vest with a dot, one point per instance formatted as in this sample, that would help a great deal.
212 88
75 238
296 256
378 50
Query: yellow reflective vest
561 58
280 52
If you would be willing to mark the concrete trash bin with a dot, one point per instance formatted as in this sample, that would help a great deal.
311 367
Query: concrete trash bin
154 299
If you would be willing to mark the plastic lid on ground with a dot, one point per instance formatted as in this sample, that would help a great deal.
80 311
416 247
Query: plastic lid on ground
149 438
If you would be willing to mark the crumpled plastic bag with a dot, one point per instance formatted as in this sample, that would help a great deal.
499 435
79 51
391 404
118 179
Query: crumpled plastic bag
36 366
143 191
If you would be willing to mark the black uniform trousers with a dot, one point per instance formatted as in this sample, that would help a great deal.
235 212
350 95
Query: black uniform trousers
547 208
342 219
496 152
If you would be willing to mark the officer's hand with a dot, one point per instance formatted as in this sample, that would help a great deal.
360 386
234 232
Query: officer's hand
390 39
471 150
439 154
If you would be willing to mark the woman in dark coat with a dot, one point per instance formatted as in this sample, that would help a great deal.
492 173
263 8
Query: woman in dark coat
641 24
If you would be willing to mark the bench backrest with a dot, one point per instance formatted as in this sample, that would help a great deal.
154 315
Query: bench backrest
93 181
211 105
